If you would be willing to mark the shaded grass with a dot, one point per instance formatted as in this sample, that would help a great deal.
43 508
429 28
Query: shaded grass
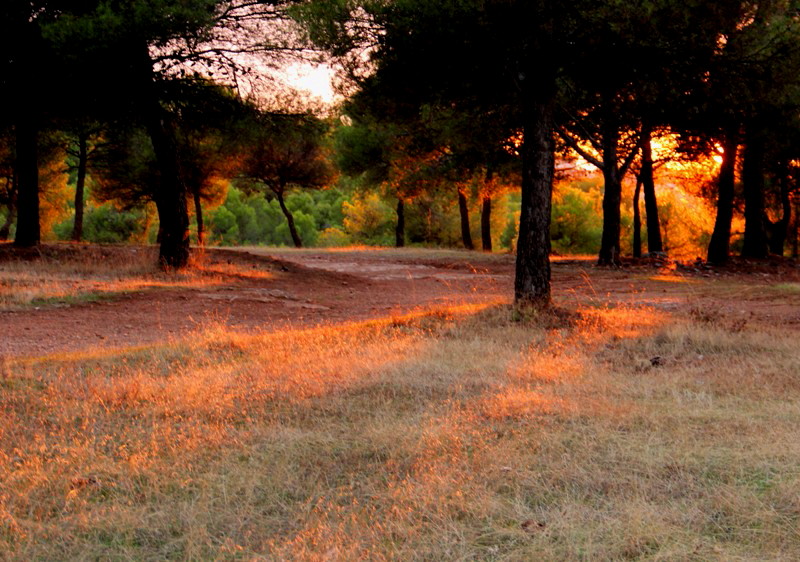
462 434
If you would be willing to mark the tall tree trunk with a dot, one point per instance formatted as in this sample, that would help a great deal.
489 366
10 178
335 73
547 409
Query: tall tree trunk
289 218
173 211
198 215
719 246
612 195
463 210
400 227
24 58
637 220
755 233
532 277
80 184
27 170
486 223
654 243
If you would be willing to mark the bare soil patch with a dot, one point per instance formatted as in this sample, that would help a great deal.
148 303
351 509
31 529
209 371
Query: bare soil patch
251 290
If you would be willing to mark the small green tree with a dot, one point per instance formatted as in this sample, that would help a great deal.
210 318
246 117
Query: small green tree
285 151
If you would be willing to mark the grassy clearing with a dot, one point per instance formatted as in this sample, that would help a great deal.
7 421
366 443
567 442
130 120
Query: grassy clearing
621 433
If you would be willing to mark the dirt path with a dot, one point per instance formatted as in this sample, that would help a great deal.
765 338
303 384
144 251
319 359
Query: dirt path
300 289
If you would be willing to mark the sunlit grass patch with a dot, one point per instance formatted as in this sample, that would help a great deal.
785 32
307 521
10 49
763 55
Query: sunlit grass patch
462 433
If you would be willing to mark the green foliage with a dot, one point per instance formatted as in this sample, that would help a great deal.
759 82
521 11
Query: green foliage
254 220
576 226
334 237
106 225
369 220
508 239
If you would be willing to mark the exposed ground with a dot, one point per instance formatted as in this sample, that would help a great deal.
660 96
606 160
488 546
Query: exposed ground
66 298
380 405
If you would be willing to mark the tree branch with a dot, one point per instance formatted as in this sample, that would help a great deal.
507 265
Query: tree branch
573 144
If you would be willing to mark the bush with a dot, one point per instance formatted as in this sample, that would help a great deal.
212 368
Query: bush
334 237
577 225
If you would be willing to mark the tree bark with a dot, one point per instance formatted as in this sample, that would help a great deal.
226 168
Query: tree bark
198 215
637 220
796 239
780 230
654 243
173 212
532 276
80 184
400 228
486 223
719 246
289 218
755 235
612 195
463 210
27 170
24 80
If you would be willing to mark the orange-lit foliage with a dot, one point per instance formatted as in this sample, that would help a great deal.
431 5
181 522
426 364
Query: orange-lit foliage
686 213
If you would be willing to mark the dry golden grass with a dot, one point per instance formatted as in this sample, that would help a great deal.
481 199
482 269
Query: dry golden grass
618 433
70 280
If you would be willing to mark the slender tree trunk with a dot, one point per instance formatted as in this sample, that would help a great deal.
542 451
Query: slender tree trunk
463 210
486 223
612 195
654 243
719 247
198 215
780 230
289 218
400 227
532 279
755 233
796 240
80 184
637 220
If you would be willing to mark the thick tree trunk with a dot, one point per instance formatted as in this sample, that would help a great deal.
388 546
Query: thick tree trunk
27 170
755 234
80 184
654 243
532 279
24 79
173 211
486 223
612 196
289 218
463 211
400 227
719 247
637 220
198 215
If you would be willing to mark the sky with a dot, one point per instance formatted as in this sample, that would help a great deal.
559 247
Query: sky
315 79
